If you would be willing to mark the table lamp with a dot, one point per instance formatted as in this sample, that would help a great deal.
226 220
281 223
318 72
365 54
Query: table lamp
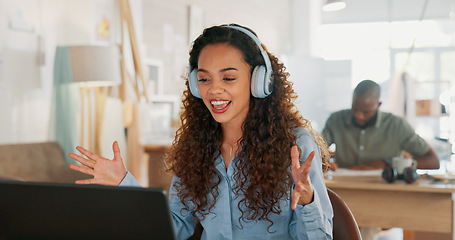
94 68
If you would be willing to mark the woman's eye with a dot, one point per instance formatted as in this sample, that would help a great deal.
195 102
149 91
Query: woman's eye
228 79
203 79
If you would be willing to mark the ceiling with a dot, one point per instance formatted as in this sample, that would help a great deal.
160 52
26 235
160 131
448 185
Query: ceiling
389 10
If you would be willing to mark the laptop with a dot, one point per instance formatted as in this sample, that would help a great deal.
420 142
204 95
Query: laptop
31 210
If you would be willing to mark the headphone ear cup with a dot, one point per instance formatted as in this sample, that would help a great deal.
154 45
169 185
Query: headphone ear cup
268 83
390 174
257 82
410 175
194 84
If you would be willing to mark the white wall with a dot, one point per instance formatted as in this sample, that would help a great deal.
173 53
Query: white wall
30 30
166 33
26 85
322 86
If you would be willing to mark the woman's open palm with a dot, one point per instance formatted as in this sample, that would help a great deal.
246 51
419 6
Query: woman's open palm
103 170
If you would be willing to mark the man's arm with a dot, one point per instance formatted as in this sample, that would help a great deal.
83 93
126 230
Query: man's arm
371 165
327 135
416 146
428 161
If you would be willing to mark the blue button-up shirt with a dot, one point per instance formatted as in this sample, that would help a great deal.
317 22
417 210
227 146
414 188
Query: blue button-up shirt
312 221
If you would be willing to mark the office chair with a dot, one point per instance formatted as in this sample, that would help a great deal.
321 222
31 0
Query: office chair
344 225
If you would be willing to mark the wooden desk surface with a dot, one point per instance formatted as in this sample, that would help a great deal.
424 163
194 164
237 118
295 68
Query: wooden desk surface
421 206
377 183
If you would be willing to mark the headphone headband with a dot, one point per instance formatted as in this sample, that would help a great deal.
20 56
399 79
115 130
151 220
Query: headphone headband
258 43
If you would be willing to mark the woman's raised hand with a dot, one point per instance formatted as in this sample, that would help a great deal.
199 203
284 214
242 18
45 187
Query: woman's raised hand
104 171
303 190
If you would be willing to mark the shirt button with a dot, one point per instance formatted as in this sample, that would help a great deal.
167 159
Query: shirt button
362 131
361 148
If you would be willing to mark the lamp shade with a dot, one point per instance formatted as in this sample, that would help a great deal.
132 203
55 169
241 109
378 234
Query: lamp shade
95 65
333 5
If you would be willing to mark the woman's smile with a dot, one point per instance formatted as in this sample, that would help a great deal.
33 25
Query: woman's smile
220 106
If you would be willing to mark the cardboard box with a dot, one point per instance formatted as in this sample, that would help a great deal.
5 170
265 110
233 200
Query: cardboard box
428 107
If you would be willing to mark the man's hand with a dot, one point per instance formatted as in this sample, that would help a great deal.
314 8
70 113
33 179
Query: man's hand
333 166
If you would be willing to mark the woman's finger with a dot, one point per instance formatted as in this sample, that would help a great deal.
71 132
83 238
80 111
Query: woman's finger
82 160
306 167
81 169
86 181
116 149
298 188
295 157
88 154
295 199
308 160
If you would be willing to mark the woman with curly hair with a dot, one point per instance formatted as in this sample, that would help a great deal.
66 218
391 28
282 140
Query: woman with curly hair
247 165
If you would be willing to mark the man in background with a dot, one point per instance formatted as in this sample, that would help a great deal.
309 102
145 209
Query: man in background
367 139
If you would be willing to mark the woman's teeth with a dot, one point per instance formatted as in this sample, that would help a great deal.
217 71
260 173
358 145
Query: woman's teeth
219 103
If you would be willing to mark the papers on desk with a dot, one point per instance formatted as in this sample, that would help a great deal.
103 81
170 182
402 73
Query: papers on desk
441 178
348 172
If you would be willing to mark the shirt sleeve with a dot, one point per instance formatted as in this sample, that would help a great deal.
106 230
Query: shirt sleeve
327 132
314 220
129 181
411 141
184 222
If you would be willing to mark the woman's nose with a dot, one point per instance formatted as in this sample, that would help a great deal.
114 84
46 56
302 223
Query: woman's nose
216 87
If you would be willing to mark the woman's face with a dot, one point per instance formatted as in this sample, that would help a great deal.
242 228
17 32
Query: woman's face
224 82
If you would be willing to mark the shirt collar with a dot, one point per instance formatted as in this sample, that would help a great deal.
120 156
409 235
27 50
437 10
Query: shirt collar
219 164
221 167
378 120
348 119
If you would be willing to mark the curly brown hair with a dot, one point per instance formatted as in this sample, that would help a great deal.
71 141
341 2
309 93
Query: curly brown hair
264 177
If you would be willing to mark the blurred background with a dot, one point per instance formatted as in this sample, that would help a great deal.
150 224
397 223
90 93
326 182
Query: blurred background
407 46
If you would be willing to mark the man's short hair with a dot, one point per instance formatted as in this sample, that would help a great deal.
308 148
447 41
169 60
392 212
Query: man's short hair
367 88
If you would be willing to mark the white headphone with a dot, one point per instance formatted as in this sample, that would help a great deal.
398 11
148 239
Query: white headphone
261 79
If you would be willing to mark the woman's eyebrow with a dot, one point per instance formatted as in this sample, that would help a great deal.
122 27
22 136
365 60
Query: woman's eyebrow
228 69
222 70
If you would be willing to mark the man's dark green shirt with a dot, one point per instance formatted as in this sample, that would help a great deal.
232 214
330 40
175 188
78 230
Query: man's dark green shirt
388 136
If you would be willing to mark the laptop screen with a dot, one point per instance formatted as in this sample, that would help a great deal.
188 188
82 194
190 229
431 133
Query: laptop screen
69 211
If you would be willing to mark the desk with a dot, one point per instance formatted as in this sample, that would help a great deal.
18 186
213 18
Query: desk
421 206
